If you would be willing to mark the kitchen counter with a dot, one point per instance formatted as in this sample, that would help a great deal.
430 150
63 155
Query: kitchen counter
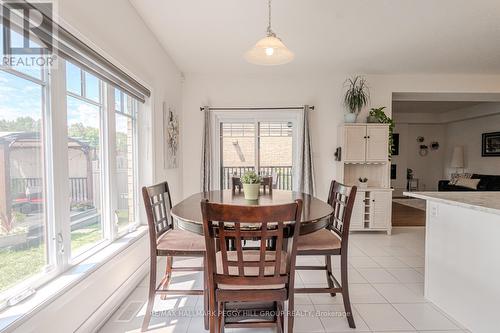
483 201
462 256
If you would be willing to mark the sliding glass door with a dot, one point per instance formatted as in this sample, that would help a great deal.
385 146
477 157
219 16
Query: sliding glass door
260 142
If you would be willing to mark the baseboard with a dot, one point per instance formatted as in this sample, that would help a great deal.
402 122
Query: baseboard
102 314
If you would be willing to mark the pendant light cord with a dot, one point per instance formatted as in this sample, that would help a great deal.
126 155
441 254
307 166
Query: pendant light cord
269 30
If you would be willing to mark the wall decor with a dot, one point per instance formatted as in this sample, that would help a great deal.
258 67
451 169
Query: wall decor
434 145
395 144
491 144
420 139
423 150
171 135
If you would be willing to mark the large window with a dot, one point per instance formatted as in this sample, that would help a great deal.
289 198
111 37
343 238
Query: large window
43 233
84 114
264 145
23 184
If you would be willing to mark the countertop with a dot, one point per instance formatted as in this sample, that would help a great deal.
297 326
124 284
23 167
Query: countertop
482 201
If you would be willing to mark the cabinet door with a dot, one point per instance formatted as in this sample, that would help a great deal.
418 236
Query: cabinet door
381 205
358 210
354 143
377 144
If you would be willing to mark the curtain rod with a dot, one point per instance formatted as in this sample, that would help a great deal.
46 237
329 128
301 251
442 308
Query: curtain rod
311 107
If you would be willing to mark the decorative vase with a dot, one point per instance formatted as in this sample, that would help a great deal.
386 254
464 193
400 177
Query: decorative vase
363 185
350 117
372 119
251 191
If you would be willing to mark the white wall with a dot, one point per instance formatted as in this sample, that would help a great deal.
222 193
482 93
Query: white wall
114 27
428 169
467 133
322 91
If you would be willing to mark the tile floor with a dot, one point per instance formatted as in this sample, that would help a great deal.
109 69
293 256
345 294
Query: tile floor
386 285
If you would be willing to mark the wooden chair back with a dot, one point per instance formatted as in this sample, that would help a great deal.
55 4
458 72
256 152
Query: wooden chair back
341 198
224 223
158 203
236 183
267 182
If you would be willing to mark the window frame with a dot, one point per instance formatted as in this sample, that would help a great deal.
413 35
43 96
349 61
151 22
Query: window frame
255 117
54 133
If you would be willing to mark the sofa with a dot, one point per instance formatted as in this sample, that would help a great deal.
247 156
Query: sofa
486 183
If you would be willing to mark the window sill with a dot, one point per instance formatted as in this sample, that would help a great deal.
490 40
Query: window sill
13 316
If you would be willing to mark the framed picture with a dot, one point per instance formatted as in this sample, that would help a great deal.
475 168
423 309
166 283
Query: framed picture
491 144
395 144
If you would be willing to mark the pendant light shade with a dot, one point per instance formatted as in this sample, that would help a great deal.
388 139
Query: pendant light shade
270 50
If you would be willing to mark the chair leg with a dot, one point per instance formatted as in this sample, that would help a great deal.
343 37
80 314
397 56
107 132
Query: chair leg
280 319
329 273
151 296
212 311
345 291
290 313
220 317
168 275
206 316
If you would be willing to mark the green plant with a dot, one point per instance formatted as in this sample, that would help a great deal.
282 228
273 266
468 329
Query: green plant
250 177
357 94
363 180
382 118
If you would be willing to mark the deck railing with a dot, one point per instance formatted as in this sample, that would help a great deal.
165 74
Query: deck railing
77 187
282 175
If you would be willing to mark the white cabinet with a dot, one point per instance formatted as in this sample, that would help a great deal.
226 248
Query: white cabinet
377 143
365 154
372 211
366 143
355 139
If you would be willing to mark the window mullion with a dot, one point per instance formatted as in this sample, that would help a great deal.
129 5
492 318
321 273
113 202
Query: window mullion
59 171
109 163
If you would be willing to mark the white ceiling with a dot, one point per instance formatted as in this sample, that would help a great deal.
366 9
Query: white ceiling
342 36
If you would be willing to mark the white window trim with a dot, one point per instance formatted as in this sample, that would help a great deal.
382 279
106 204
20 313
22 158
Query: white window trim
218 117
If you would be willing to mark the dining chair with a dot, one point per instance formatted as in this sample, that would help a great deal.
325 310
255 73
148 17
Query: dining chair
167 241
267 182
243 280
333 240
236 184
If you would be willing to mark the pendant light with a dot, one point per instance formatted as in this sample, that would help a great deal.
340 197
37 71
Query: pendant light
270 50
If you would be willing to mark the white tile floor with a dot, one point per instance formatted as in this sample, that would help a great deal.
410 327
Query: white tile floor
386 285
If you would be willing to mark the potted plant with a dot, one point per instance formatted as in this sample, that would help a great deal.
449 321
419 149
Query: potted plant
356 97
251 185
363 182
377 115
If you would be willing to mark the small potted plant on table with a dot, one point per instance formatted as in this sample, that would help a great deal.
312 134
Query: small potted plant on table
251 185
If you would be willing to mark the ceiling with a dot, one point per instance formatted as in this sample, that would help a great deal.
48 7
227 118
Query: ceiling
337 36
435 107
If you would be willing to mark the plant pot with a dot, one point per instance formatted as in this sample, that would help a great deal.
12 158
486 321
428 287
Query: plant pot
372 119
363 185
251 191
350 117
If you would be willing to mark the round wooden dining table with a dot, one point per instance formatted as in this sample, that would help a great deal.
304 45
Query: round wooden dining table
315 212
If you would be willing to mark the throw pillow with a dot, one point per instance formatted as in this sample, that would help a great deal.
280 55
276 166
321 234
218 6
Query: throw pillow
469 183
456 176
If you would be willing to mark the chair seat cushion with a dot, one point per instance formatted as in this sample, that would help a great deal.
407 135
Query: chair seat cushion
249 271
178 240
321 240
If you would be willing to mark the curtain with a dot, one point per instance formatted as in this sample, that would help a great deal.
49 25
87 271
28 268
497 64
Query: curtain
305 167
206 157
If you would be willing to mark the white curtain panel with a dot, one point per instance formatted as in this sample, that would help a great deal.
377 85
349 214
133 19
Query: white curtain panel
305 167
206 157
